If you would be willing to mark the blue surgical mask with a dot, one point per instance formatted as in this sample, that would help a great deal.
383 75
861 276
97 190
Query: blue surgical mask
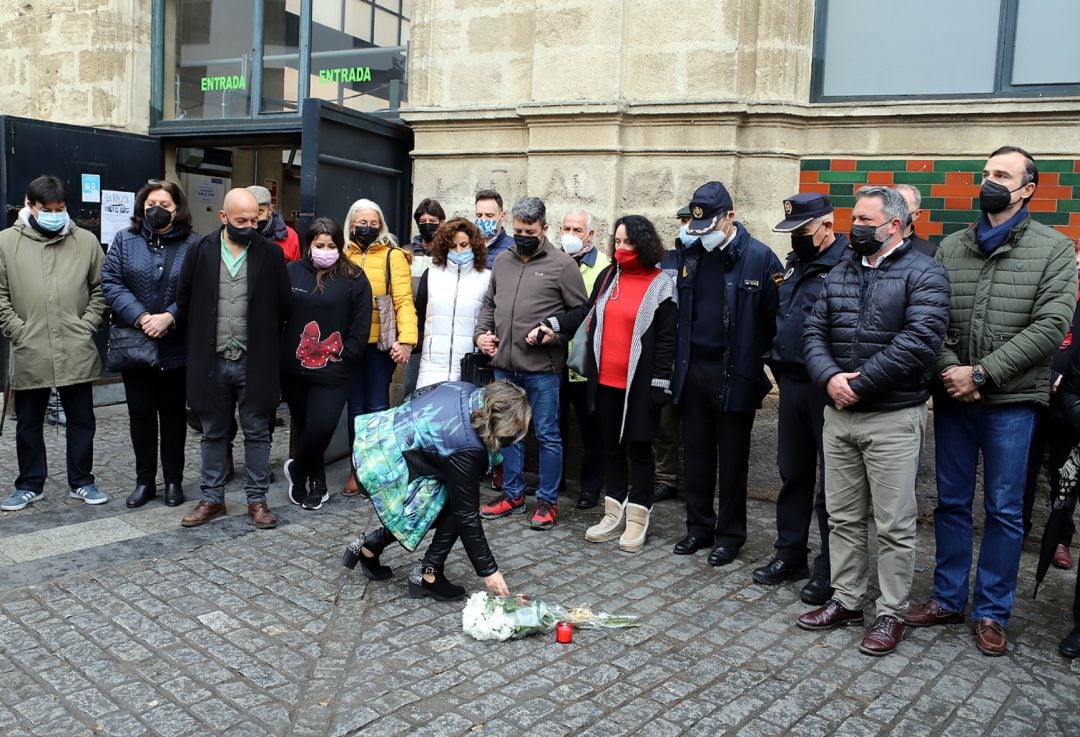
461 257
488 228
712 239
52 221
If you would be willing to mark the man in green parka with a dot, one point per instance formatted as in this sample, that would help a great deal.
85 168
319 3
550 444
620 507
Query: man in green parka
1013 291
51 305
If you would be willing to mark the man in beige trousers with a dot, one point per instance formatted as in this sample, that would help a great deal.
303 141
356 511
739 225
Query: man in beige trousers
871 342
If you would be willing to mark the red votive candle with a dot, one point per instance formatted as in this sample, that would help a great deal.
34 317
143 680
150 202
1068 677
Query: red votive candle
564 632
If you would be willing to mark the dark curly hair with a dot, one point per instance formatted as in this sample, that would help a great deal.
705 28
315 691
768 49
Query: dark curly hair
181 221
641 233
345 267
444 241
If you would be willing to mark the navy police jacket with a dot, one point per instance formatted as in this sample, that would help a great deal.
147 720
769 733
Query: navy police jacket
803 283
751 274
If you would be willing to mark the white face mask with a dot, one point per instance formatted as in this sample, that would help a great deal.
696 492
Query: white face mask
712 239
571 244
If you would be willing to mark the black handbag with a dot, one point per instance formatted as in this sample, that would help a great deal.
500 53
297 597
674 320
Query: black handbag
476 369
129 347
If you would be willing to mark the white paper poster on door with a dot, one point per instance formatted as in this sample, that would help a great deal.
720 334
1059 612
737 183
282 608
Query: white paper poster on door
116 209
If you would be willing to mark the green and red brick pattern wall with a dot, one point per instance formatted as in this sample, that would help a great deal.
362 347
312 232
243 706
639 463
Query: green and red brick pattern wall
950 189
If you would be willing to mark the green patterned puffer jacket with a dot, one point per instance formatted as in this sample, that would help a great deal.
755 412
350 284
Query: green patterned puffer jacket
423 455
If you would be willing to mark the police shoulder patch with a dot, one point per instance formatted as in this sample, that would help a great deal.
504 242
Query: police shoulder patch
779 276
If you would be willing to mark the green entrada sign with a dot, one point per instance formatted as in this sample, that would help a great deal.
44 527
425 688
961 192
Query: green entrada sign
215 84
345 74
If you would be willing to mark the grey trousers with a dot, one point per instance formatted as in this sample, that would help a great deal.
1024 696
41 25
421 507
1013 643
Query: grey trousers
228 392
871 459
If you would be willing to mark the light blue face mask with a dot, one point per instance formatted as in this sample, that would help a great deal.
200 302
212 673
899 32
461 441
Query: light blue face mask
488 228
52 221
712 239
461 257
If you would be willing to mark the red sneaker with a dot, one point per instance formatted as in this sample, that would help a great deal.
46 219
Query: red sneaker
544 516
504 506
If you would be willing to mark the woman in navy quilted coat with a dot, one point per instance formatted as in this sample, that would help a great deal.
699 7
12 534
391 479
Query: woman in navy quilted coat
159 237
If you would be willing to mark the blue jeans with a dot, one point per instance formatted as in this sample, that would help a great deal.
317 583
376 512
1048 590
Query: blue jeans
1003 434
543 391
369 385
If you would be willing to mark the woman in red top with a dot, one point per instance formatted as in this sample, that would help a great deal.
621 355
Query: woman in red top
630 328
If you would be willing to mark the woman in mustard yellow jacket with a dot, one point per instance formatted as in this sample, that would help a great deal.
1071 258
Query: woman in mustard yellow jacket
374 250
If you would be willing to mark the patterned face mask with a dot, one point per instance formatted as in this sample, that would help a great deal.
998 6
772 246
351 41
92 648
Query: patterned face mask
488 228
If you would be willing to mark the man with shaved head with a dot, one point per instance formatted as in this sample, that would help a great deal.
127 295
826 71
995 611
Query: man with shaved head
234 299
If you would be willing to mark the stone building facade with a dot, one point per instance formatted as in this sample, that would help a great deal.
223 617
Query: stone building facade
614 105
628 105
84 62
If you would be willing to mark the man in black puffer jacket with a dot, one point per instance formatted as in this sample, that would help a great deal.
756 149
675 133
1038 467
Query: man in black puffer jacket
871 342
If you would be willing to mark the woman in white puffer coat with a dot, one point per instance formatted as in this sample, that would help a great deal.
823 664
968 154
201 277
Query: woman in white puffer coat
448 300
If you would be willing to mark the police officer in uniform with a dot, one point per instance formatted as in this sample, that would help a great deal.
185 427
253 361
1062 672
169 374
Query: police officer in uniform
816 249
727 286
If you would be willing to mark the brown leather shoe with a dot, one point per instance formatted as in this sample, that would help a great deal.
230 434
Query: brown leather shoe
1063 557
832 615
261 516
990 637
930 614
883 636
350 488
204 512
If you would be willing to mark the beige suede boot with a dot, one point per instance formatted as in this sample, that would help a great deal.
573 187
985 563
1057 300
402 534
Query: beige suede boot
637 525
611 526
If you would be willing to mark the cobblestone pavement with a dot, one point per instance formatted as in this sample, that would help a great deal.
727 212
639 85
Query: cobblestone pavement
117 622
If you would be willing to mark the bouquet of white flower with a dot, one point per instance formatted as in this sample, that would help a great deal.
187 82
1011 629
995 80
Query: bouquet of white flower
500 618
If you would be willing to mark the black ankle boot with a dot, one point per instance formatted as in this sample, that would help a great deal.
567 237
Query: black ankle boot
174 495
440 589
1070 646
372 569
141 495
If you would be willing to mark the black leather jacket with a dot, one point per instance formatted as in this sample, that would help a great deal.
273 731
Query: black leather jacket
449 449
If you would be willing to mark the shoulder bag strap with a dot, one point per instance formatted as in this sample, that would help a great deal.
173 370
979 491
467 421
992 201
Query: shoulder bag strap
170 255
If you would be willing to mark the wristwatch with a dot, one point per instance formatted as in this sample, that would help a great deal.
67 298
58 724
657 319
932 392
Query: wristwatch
978 375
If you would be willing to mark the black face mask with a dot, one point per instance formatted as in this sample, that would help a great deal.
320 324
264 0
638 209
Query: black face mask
994 197
803 246
240 236
427 230
527 244
864 240
157 217
265 226
365 235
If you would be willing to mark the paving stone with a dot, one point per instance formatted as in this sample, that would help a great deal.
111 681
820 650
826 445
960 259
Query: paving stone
264 634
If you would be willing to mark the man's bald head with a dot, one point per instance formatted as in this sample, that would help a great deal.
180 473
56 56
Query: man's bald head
240 208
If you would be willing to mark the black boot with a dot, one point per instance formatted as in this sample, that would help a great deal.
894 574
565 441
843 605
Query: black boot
1070 646
440 589
588 499
174 495
374 542
141 495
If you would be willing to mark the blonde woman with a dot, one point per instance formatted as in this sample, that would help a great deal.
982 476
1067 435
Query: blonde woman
374 250
422 463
